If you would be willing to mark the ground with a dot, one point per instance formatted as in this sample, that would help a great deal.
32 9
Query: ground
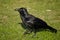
47 10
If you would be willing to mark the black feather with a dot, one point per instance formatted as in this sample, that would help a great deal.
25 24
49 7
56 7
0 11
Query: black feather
33 23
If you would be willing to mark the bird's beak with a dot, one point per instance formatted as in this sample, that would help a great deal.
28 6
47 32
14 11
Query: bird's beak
16 9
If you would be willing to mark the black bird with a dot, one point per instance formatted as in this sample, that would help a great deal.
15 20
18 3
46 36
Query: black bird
32 23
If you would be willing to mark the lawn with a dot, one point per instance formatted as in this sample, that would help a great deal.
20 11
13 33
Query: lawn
47 10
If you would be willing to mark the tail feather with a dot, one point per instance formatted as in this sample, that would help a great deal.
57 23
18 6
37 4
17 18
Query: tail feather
52 29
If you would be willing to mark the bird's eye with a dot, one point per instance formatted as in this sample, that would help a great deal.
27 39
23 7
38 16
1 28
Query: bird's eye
27 19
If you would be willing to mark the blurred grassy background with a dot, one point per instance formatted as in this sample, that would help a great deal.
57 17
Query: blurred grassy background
47 10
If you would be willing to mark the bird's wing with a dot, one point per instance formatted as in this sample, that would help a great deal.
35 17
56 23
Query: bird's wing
29 21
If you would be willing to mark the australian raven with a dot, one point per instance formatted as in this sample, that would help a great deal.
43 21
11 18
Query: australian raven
32 23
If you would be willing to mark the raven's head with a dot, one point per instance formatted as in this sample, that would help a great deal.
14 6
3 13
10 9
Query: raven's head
22 11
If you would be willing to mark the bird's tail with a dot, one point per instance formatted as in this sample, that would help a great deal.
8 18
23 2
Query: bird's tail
52 29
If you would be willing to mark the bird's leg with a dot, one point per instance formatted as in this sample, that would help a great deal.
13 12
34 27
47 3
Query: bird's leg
27 31
34 33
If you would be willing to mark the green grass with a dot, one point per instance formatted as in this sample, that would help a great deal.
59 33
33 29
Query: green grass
9 19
